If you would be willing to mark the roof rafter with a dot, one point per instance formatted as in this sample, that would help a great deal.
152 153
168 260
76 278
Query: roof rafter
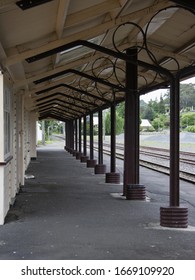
87 34
91 12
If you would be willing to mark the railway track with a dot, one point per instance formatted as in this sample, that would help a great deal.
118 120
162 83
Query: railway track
158 159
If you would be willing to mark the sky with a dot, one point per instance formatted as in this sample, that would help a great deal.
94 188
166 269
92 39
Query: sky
157 93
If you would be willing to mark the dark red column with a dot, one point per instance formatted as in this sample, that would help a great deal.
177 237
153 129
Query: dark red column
174 215
91 162
100 168
113 177
79 152
132 189
84 157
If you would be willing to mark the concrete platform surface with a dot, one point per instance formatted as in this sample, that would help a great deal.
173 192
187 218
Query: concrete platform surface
67 212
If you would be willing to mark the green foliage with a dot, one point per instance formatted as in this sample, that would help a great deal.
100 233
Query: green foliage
119 123
191 128
187 97
143 106
107 123
158 124
52 126
148 113
161 106
95 129
187 119
120 108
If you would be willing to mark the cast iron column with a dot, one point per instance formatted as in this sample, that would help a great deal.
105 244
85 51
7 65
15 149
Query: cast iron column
113 177
113 139
76 135
91 162
174 216
100 168
78 154
132 189
84 157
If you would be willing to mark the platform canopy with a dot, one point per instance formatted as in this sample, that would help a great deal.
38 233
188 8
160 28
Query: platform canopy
68 57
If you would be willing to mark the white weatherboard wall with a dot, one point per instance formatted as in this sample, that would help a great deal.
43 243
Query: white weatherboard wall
1 150
17 143
6 138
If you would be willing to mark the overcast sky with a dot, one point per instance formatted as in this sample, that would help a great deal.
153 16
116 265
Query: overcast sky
157 93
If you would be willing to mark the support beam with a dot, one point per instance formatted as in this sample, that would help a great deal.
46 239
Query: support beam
66 95
100 168
82 74
174 141
84 157
131 187
76 135
174 215
94 31
61 16
64 102
91 162
113 139
79 152
131 146
113 177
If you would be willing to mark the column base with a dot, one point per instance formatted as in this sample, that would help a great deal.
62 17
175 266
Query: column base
174 217
74 153
100 169
113 178
91 163
135 192
84 158
78 155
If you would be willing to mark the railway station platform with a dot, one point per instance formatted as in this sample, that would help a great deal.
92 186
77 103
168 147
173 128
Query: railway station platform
67 212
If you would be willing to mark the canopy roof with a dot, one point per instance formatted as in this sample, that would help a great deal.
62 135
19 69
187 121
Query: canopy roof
68 57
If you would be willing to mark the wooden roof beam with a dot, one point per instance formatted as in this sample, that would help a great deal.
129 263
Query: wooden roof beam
86 34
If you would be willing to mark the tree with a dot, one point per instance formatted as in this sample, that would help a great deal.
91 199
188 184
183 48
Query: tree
120 108
143 106
158 124
119 124
161 106
187 119
52 126
148 113
187 96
